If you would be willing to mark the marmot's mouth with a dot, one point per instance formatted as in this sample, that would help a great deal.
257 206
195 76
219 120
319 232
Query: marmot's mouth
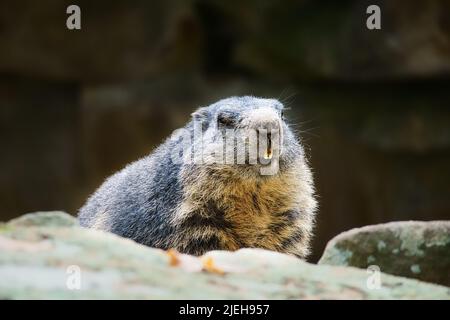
268 154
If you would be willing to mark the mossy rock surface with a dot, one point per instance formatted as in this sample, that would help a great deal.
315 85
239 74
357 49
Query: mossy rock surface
413 249
46 218
43 259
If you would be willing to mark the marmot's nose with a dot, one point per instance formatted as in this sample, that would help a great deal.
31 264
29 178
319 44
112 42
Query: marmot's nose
265 118
267 123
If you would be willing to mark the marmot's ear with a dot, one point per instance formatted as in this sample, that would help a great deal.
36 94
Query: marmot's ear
201 114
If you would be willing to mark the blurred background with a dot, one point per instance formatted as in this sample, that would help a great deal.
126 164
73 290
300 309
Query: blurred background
373 107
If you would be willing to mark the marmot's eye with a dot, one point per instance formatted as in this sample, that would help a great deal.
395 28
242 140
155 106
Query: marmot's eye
282 114
226 119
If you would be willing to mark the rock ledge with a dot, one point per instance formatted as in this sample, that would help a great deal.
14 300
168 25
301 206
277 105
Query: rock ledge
42 255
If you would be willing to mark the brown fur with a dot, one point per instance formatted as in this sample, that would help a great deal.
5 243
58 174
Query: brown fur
264 212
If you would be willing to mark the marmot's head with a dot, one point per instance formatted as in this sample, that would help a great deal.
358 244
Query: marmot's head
246 134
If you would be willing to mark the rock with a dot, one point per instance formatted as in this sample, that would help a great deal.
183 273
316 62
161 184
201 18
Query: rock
296 40
306 40
412 249
110 267
117 40
48 219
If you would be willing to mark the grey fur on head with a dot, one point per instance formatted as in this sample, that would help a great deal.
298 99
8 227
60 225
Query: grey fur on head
196 207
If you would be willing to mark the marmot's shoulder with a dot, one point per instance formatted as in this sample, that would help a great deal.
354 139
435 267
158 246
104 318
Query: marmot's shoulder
146 190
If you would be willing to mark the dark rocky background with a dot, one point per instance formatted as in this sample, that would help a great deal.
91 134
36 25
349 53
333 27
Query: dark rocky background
373 106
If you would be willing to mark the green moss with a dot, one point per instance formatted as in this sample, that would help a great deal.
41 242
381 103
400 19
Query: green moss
415 268
381 245
411 242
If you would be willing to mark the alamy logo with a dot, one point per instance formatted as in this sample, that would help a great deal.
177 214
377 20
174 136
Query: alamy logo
73 281
374 280
373 22
73 21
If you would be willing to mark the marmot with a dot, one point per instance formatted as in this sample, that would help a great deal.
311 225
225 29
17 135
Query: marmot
197 207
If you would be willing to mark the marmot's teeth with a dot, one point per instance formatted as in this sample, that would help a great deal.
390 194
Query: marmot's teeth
268 154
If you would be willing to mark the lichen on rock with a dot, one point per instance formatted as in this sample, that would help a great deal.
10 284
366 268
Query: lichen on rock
47 218
42 253
413 249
